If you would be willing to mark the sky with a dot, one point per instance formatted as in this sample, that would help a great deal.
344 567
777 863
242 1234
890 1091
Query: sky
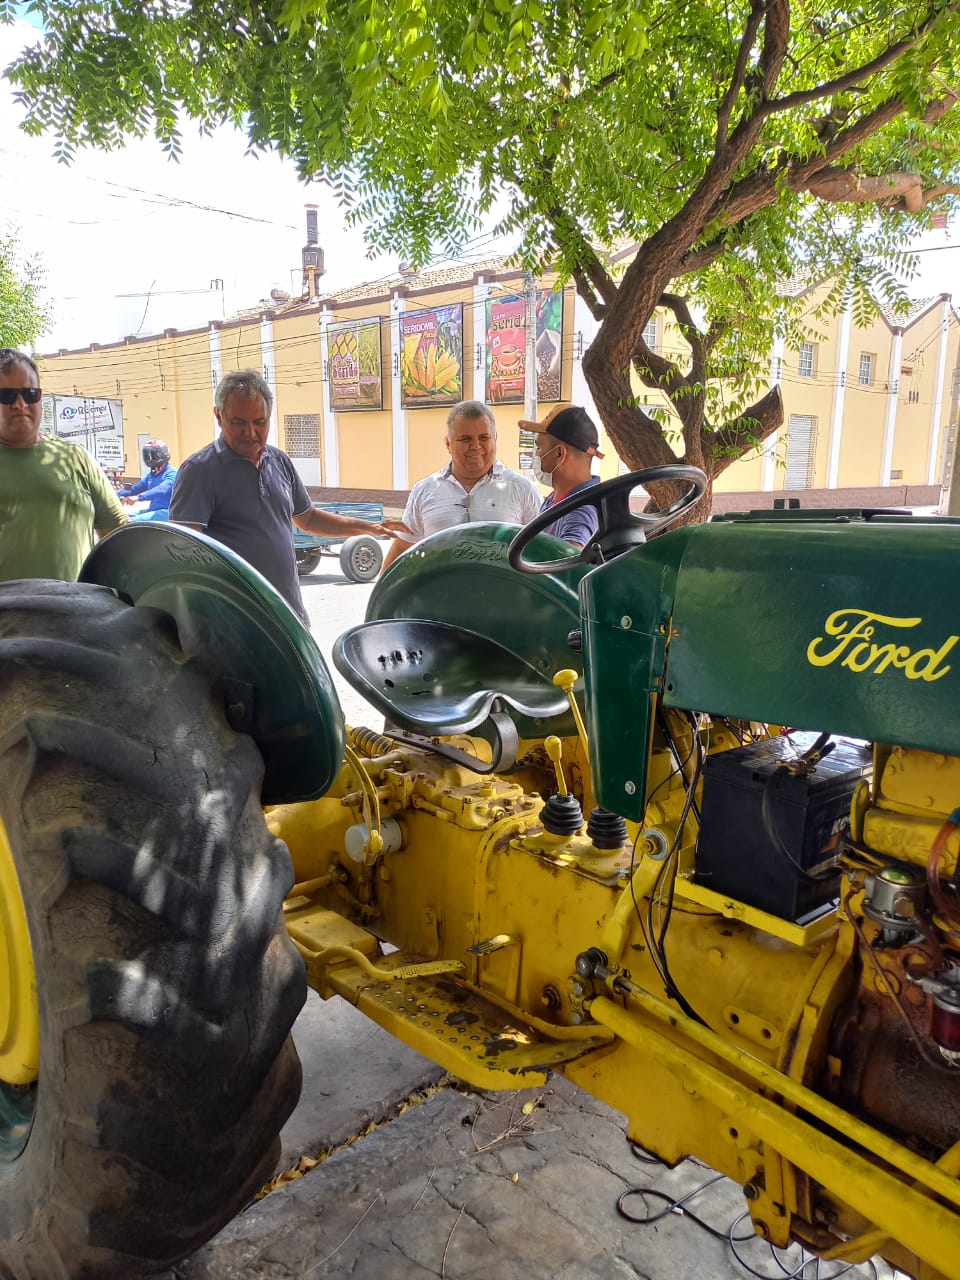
133 243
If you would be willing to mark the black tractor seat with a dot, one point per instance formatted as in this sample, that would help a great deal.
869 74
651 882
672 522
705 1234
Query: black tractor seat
435 679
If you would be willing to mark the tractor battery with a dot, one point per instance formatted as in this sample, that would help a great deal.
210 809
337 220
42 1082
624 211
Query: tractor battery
760 823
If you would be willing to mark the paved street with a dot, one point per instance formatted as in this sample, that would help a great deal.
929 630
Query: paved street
406 1177
334 604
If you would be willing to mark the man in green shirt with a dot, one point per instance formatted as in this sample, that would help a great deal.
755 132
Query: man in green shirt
53 496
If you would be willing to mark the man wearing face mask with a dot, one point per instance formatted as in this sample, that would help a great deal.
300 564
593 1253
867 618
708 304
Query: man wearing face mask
567 439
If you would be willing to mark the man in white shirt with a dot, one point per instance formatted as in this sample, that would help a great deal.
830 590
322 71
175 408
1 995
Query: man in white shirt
473 485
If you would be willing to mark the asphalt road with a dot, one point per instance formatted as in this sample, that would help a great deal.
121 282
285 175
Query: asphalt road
334 604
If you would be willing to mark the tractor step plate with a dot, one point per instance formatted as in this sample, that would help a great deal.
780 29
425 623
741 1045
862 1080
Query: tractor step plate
457 1028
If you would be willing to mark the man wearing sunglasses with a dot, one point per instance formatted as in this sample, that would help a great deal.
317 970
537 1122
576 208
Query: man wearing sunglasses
53 496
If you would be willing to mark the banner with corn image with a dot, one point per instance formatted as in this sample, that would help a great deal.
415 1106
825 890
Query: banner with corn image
431 357
354 366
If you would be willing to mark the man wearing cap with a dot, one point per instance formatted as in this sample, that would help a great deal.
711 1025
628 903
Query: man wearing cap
566 441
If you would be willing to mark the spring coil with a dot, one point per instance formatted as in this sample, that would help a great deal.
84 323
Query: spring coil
369 743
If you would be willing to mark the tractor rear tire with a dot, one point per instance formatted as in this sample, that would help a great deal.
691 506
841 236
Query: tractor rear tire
166 982
361 558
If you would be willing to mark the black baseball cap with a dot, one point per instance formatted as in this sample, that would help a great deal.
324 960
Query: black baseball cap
570 425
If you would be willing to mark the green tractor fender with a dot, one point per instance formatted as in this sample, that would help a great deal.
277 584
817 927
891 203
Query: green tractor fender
275 682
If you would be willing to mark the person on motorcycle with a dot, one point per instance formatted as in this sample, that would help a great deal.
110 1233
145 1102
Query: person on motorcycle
156 486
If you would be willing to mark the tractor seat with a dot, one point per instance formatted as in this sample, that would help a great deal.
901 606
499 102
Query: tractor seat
437 679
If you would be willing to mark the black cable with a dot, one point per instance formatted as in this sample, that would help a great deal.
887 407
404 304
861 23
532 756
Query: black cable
671 866
695 743
770 827
806 1258
675 1204
633 853
701 760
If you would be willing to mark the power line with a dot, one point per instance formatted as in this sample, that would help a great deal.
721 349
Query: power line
158 197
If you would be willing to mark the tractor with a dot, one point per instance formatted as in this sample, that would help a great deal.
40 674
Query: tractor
677 817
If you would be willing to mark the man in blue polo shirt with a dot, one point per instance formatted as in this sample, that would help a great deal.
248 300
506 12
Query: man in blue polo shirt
567 440
247 493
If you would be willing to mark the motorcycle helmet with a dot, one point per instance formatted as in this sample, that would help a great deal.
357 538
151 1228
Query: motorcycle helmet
155 454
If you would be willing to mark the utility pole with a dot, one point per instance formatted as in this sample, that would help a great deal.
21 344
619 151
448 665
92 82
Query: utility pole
950 501
530 367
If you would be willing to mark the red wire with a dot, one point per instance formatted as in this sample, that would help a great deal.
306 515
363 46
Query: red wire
944 905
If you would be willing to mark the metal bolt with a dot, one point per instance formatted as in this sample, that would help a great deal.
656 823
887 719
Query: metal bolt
630 788
750 1191
626 622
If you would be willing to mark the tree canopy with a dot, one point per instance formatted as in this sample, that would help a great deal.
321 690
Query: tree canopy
731 143
22 314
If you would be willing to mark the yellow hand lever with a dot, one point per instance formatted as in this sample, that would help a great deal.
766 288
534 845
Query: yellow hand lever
554 749
565 680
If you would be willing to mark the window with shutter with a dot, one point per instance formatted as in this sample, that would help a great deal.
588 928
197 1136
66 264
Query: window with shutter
650 333
801 451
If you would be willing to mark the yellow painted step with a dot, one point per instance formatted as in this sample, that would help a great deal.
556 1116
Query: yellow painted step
460 1030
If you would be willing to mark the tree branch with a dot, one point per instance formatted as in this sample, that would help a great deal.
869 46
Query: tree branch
739 76
759 190
691 333
587 292
752 427
776 38
655 371
937 108
589 266
904 191
853 78
717 330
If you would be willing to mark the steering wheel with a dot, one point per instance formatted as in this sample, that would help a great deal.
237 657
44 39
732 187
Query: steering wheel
619 528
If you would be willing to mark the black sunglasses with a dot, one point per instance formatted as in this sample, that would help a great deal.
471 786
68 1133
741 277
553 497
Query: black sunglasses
31 395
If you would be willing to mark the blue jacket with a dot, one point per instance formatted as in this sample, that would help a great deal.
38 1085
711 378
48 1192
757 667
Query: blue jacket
155 488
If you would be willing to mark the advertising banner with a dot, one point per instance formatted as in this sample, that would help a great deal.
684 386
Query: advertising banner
95 423
549 345
507 348
354 366
431 357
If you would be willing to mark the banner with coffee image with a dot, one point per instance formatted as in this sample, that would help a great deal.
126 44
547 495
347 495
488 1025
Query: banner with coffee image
507 348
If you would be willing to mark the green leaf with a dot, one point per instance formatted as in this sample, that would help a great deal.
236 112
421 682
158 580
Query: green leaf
589 127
